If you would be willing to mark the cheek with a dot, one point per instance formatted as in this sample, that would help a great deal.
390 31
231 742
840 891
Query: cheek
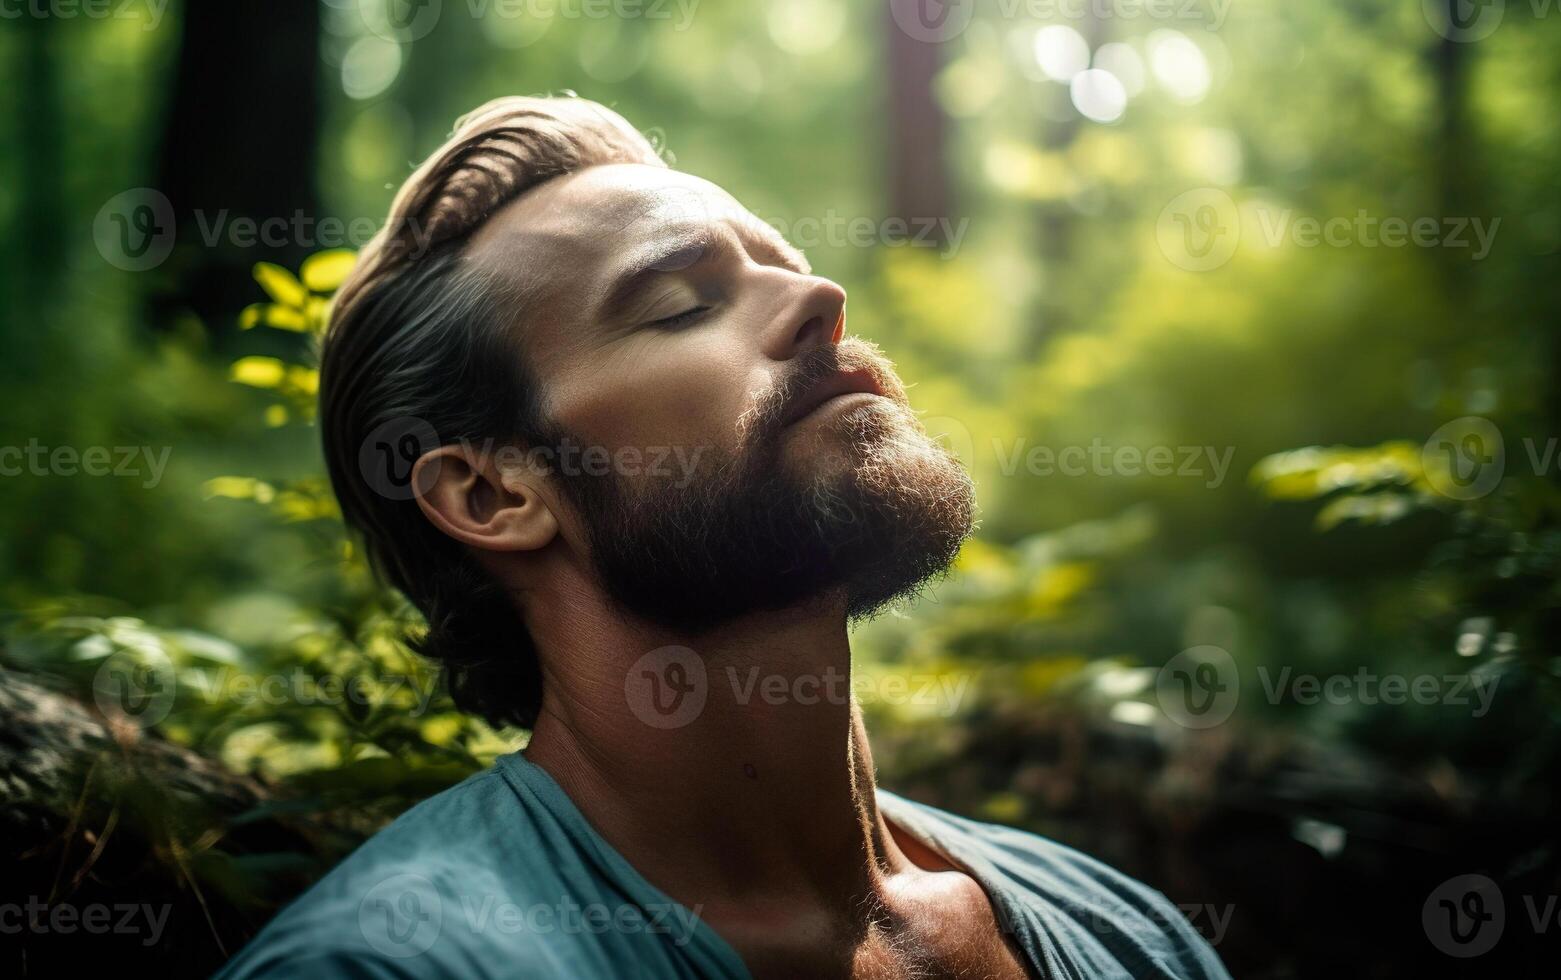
689 390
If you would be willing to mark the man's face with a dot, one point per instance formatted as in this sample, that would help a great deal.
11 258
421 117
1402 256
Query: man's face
756 457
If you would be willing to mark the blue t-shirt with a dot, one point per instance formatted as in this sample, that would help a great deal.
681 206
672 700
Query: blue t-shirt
502 876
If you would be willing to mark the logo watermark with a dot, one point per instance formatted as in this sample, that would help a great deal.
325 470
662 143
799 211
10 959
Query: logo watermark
1365 686
94 918
1210 920
932 21
936 21
1201 229
136 462
1466 459
141 684
409 20
667 687
1467 21
388 458
136 683
670 687
405 914
1209 463
401 916
240 689
1466 915
149 11
1201 686
136 230
835 230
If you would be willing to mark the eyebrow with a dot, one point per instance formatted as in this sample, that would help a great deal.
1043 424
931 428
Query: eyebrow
694 247
669 255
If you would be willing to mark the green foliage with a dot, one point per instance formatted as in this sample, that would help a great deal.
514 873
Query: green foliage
319 697
1058 322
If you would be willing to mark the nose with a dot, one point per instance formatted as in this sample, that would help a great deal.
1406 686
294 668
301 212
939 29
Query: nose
815 317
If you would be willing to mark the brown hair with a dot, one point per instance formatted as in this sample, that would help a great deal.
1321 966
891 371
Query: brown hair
420 347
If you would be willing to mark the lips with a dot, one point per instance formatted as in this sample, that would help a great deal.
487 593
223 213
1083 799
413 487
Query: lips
860 381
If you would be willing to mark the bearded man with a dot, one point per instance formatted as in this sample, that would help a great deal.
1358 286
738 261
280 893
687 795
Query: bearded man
609 433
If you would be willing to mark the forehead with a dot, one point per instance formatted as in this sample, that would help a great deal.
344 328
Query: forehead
576 228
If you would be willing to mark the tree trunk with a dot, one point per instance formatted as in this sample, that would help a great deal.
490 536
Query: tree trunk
239 141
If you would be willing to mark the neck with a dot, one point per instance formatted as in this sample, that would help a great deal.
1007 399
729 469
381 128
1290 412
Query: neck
758 801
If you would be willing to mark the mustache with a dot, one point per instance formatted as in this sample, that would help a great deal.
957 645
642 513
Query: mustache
771 408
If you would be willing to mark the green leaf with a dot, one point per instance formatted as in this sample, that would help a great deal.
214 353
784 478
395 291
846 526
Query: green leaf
274 315
1375 508
282 285
239 488
324 272
259 372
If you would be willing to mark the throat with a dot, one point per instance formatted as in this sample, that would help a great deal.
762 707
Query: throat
762 800
757 808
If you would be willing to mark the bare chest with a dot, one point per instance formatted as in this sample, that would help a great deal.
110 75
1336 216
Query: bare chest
976 956
956 937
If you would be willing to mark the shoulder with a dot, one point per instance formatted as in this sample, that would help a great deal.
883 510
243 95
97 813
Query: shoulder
1095 913
413 900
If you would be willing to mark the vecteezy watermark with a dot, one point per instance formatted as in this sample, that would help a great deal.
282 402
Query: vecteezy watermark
401 916
141 685
671 686
833 229
1205 462
1467 458
1466 21
928 689
227 685
1208 13
409 20
135 684
569 917
934 21
1200 230
1366 230
149 11
299 228
404 915
667 687
1365 686
35 459
390 452
96 918
859 231
1466 915
136 230
679 13
1210 920
388 457
1200 688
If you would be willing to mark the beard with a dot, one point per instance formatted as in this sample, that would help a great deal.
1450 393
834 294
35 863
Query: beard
878 511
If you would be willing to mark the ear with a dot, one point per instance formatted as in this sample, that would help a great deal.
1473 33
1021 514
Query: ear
483 501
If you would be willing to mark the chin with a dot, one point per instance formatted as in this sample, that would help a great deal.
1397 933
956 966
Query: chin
857 501
874 435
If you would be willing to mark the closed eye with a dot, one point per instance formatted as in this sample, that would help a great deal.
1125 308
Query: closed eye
677 320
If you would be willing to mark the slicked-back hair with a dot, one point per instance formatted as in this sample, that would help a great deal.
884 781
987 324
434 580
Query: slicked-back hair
420 343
